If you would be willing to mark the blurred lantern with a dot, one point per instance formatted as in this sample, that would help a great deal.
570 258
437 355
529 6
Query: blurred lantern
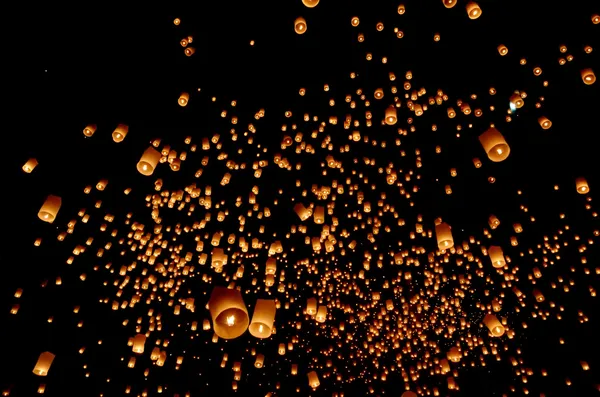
228 312
502 49
313 379
496 256
300 25
120 133
444 236
149 161
473 10
449 3
311 306
322 314
30 165
184 97
50 209
409 394
544 122
43 364
89 130
262 318
492 323
390 115
310 3
582 186
588 76
138 343
494 145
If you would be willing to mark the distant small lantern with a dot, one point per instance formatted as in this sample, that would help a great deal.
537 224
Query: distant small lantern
149 161
390 115
473 10
184 97
50 208
494 145
588 76
582 186
228 312
378 93
544 122
43 364
300 25
89 130
409 394
120 133
493 325
263 318
496 256
30 165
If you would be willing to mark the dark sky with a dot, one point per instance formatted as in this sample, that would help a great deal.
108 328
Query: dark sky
95 64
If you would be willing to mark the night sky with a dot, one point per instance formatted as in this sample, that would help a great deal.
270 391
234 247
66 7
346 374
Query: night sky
275 119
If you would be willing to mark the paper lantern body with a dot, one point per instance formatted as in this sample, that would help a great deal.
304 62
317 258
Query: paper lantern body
149 161
262 318
228 312
43 364
50 209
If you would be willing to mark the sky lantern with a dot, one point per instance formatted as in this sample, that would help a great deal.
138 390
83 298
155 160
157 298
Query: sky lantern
313 379
449 3
149 161
588 76
494 145
473 10
30 165
544 122
184 97
310 3
120 133
493 325
50 208
138 343
444 236
582 185
496 256
300 25
89 130
43 364
263 318
228 312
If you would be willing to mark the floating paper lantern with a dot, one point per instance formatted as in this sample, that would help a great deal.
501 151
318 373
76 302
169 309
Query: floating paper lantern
311 306
313 379
502 49
310 3
228 312
582 186
494 145
260 360
390 115
473 10
588 76
444 236
409 394
43 364
30 165
321 314
449 3
120 133
184 97
517 100
50 209
89 130
262 318
149 161
544 122
138 343
454 354
493 325
271 266
300 25
496 256
319 214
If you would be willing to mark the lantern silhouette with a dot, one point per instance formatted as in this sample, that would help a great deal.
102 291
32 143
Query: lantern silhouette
30 165
300 25
43 364
582 186
262 318
89 130
390 115
496 256
50 209
228 312
149 161
588 76
120 133
473 10
444 236
494 145
493 325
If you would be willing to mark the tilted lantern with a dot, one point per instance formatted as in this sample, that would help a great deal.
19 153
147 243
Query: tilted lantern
50 209
494 145
300 25
409 394
149 161
184 97
228 312
120 133
473 10
545 123
582 186
89 130
262 318
30 165
492 323
588 76
43 364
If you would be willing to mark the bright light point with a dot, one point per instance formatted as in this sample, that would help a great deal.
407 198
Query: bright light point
230 320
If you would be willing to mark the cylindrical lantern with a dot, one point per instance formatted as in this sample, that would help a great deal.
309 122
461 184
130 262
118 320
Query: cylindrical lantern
89 130
262 318
545 123
492 323
149 161
313 379
228 312
138 343
454 354
494 145
497 256
120 133
310 3
30 165
43 364
502 49
260 360
300 25
582 186
322 314
444 236
390 115
588 76
50 209
409 394
473 10
319 214
183 99
271 267
449 3
311 306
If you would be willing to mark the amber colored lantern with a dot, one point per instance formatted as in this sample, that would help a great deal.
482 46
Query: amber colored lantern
263 318
502 49
409 394
149 161
319 214
545 123
228 312
444 236
311 306
183 99
50 209
390 115
120 133
89 130
313 379
496 256
588 76
454 354
473 10
43 364
494 325
138 343
494 145
322 314
582 186
310 3
260 361
300 25
30 165
449 3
